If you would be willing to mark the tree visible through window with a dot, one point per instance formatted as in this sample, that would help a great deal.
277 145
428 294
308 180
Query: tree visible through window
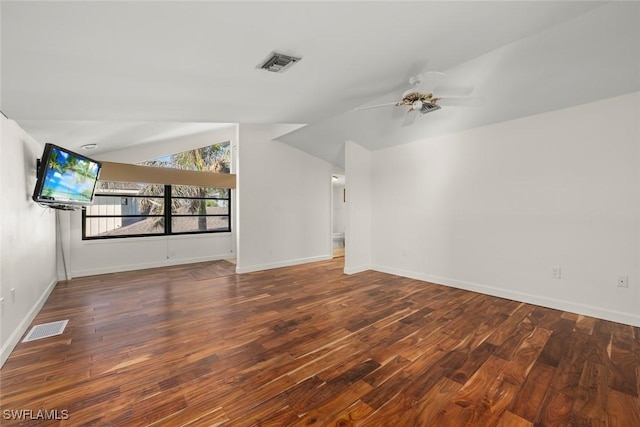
142 209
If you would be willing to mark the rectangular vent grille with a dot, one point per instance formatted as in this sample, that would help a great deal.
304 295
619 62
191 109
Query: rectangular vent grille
427 108
278 62
46 330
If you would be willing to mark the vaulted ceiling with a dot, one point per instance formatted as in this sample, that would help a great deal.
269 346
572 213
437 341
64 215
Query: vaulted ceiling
121 73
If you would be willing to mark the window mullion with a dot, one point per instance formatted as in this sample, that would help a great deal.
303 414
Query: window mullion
167 209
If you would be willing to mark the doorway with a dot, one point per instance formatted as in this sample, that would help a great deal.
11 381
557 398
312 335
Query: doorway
339 214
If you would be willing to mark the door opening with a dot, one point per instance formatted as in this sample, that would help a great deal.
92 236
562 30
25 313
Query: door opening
339 214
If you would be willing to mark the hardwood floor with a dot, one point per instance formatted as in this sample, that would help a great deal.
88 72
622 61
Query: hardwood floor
198 345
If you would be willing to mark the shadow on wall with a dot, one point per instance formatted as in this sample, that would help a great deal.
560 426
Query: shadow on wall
30 159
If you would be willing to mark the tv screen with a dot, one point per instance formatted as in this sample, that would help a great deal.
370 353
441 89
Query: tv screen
65 178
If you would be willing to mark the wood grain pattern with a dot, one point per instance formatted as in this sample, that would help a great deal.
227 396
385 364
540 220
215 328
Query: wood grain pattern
532 393
593 393
509 419
197 345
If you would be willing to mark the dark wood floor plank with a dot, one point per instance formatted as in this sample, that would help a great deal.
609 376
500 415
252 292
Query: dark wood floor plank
554 350
494 404
533 392
249 404
336 385
507 328
207 417
623 368
199 345
273 408
386 371
320 415
420 384
351 416
426 409
517 369
592 398
452 415
500 381
473 361
556 410
509 419
489 393
569 369
598 345
523 330
388 393
623 336
546 317
339 351
624 410
585 324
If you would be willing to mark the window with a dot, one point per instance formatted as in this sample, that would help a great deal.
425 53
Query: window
199 209
125 209
139 209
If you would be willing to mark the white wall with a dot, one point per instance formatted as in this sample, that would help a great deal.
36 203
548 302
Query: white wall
492 208
285 202
89 257
358 175
27 237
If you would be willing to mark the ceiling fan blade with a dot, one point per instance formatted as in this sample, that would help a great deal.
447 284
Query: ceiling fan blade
375 106
449 90
429 81
460 102
409 118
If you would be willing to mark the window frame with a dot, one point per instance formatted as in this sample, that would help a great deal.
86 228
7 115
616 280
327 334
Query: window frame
167 215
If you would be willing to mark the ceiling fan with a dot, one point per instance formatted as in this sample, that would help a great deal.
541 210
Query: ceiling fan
420 97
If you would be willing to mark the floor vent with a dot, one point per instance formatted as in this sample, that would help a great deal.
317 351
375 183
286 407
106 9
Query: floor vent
46 330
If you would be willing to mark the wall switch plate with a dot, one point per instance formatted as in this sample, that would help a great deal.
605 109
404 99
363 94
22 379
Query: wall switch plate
555 271
13 294
623 281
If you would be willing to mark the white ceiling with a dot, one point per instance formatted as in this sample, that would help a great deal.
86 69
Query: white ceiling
101 72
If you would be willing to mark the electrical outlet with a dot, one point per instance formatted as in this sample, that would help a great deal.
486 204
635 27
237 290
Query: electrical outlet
623 281
2 305
555 271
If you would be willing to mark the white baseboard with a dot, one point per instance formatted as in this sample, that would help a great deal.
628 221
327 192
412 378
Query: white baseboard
357 269
13 340
587 310
279 264
143 266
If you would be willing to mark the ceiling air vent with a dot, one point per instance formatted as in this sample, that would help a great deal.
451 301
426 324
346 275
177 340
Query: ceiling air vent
427 108
277 62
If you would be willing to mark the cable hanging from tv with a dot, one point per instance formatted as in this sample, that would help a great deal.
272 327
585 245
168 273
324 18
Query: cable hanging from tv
60 206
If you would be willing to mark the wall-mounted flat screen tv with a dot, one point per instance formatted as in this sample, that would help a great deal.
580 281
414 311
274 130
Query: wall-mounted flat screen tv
65 179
